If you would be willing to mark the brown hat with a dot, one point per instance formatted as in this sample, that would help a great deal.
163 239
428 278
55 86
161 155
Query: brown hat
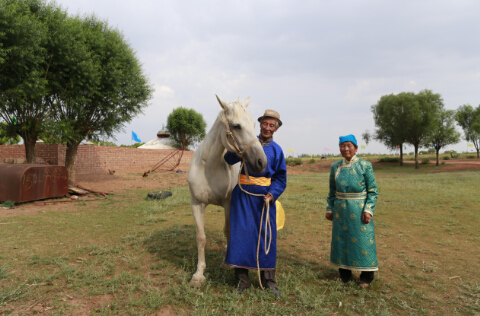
271 114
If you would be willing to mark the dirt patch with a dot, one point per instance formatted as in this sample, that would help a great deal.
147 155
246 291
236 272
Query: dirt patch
121 182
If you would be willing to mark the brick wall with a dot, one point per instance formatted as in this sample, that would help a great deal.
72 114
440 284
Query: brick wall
91 158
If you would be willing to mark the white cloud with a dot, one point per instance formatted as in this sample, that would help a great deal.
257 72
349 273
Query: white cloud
163 92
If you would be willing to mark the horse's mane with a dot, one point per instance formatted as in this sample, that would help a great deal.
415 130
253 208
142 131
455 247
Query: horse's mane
238 111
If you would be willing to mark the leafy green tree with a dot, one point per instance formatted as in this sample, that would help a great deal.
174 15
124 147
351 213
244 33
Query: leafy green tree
113 91
444 132
469 120
23 69
421 117
42 65
391 118
5 139
186 127
367 136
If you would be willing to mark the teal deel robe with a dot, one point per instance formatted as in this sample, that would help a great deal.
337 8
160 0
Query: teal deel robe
353 190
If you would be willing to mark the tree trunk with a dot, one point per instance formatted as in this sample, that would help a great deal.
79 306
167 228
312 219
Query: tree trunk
438 151
478 151
30 143
401 154
70 159
416 157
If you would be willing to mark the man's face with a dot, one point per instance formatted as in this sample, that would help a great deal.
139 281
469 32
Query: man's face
268 127
348 150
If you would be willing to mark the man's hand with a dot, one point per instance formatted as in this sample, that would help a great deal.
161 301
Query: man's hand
268 197
366 217
329 216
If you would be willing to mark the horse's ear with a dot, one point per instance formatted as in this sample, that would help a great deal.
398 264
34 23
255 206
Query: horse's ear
223 104
246 102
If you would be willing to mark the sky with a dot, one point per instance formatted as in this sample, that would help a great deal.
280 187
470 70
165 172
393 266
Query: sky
320 64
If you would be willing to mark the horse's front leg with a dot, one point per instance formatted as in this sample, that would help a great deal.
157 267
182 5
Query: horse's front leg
198 211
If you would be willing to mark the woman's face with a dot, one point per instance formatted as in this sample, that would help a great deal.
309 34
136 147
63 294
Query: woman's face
348 150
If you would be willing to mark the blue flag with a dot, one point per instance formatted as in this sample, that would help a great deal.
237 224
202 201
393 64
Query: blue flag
135 137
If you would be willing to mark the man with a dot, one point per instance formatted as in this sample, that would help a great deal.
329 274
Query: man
246 211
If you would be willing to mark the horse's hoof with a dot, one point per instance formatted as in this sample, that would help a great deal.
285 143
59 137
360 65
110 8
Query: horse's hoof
197 281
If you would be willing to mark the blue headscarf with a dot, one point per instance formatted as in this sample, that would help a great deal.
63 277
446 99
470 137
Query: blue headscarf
348 138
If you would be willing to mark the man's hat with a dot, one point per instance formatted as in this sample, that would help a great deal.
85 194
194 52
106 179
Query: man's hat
271 114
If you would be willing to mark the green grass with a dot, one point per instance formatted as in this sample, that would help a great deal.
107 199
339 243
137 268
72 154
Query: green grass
131 256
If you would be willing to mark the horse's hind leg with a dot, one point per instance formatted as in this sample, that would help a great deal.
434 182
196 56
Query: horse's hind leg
198 211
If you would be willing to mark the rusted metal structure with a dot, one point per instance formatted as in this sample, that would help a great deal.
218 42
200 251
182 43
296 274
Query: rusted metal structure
22 183
168 163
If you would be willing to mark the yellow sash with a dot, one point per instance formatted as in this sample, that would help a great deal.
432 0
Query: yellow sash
260 181
265 182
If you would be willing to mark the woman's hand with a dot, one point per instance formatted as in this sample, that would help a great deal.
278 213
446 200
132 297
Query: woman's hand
366 217
329 216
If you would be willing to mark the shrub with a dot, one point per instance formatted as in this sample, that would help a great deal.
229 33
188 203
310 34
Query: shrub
8 204
293 161
446 158
471 157
389 159
311 161
412 153
425 161
443 162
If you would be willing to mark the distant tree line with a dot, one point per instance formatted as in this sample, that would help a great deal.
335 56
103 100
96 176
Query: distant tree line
64 78
420 119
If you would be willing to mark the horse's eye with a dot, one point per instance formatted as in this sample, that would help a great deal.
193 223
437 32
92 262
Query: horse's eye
237 126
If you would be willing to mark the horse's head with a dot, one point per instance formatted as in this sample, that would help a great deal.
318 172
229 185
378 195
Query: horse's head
244 140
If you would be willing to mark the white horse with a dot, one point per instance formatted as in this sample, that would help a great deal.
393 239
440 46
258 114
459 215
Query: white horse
210 179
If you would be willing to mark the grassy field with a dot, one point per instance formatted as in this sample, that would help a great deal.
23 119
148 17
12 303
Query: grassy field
129 256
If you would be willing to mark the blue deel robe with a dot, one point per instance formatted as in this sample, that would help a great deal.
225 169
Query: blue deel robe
246 210
353 244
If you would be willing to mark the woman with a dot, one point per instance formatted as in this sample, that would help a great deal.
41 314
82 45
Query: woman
351 203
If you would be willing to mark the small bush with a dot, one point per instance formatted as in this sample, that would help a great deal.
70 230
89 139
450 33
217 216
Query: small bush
425 161
8 204
446 158
443 162
471 157
293 161
311 161
412 153
389 159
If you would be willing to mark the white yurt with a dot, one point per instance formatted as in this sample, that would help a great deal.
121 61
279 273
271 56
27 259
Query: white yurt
162 141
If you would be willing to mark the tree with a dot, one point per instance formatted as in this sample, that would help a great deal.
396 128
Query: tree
367 137
444 132
186 127
23 68
469 120
390 116
42 65
112 88
5 139
421 117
